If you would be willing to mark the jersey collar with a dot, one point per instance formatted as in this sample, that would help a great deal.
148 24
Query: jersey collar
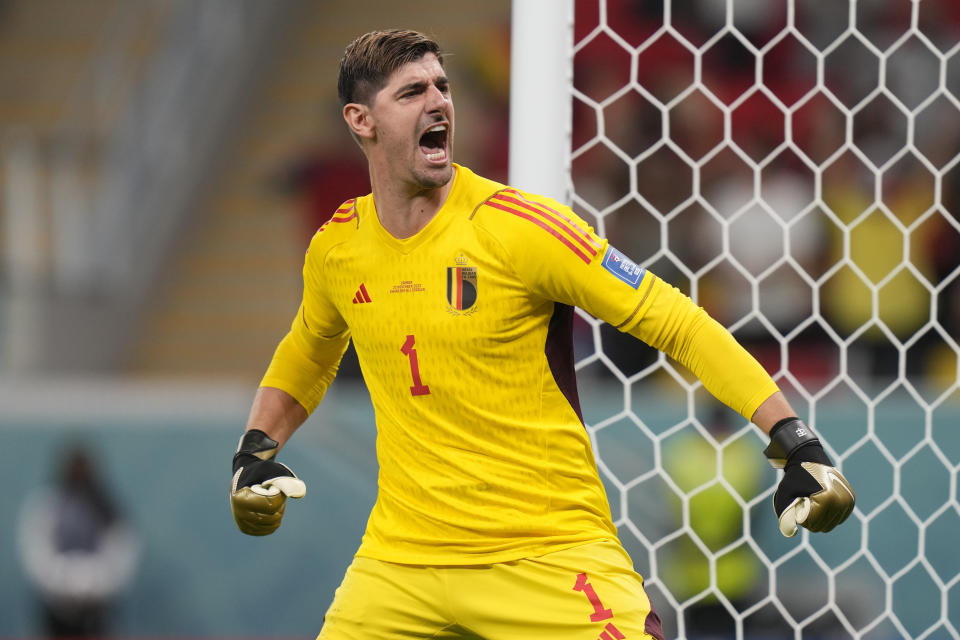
431 230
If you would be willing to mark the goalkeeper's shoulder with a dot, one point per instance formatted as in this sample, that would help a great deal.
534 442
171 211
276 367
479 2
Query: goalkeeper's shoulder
337 232
343 223
525 222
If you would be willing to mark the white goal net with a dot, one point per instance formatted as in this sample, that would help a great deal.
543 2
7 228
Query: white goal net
793 166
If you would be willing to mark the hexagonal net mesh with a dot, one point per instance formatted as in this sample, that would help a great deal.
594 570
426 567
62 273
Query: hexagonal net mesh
793 167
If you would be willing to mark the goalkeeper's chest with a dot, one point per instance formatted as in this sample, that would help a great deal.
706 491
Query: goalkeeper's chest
455 299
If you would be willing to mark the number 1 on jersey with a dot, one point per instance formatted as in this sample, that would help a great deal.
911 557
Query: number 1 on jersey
418 388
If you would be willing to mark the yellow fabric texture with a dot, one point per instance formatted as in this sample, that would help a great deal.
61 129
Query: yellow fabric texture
685 332
462 333
544 598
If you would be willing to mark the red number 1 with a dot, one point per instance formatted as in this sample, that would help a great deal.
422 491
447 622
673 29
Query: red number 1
418 388
599 611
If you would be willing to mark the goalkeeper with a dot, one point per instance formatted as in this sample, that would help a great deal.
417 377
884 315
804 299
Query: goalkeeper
459 295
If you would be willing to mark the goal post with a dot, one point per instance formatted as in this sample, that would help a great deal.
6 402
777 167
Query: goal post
541 70
793 166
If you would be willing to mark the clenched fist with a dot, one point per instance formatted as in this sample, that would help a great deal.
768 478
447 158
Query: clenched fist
260 486
812 493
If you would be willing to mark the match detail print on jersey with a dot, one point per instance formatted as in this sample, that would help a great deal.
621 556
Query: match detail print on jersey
623 267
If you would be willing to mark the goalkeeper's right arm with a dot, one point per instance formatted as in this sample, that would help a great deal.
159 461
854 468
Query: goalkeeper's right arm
260 486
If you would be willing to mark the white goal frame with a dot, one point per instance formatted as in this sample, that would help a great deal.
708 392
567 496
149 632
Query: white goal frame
872 585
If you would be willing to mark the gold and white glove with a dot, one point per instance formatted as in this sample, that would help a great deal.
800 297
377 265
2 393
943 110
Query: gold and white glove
812 493
260 486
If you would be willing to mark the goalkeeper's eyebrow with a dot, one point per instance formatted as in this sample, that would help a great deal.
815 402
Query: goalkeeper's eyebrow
440 82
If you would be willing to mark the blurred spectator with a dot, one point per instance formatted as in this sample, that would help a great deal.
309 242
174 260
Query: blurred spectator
876 248
77 550
717 519
324 177
482 94
818 170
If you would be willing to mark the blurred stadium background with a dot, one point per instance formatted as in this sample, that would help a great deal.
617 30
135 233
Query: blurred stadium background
164 163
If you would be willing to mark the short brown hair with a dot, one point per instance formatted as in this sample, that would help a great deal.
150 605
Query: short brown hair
370 59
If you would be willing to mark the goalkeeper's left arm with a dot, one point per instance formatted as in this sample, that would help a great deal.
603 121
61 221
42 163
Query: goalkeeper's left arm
586 272
812 492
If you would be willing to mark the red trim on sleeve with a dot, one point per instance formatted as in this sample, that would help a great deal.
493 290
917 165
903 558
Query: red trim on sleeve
557 218
543 225
346 206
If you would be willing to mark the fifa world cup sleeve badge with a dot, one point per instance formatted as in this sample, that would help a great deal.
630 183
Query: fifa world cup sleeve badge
623 267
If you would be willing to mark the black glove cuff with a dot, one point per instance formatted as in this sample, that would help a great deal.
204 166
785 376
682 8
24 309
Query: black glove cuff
786 438
254 443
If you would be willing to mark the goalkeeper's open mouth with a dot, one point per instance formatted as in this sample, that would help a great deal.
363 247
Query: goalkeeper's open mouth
433 143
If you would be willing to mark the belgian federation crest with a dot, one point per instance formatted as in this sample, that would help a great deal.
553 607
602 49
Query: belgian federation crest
462 287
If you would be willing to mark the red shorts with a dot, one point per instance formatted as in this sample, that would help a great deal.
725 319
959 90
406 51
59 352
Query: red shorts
588 592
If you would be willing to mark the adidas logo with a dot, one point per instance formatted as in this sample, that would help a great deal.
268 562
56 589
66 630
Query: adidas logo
361 296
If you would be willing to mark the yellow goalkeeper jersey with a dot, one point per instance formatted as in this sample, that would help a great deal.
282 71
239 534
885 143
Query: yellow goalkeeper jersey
464 337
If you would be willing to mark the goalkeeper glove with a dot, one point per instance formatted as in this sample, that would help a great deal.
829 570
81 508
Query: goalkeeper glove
260 487
812 492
